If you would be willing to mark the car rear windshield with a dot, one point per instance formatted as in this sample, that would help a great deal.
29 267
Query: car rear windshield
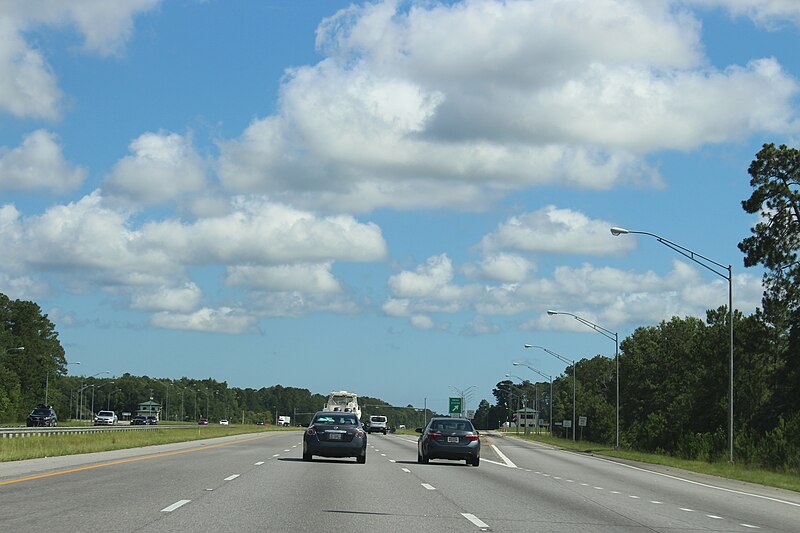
41 411
451 425
377 418
105 413
344 420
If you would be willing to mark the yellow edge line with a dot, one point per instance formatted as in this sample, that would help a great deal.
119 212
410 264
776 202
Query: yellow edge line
123 461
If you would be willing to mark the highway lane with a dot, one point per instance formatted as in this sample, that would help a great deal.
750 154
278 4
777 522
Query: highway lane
259 483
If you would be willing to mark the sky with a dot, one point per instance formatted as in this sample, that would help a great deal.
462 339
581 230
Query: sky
383 197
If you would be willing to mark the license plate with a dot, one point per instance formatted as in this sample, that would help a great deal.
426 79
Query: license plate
452 439
334 436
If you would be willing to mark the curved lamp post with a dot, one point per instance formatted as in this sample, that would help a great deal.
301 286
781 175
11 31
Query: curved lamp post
520 363
574 379
608 334
720 270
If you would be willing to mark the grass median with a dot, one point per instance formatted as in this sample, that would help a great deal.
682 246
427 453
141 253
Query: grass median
39 446
741 472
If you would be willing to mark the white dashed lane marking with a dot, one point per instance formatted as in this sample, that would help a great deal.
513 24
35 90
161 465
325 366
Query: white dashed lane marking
232 477
179 503
429 487
475 520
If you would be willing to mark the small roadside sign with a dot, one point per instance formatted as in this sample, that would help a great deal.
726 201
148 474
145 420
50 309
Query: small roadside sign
582 421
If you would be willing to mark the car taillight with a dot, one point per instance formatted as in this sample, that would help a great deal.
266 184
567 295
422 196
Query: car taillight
311 430
471 436
433 435
359 432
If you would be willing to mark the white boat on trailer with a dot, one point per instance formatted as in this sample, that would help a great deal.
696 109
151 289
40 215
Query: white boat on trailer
343 401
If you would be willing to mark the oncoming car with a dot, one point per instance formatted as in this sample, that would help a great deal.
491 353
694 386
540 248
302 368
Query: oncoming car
449 438
42 415
335 434
105 418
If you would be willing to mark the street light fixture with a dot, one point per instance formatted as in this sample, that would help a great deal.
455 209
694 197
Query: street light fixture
520 363
574 379
614 336
725 272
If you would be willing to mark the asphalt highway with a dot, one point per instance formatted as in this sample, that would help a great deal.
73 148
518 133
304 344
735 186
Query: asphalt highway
259 483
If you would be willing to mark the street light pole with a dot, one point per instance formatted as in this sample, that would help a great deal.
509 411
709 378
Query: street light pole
520 363
574 379
609 335
723 271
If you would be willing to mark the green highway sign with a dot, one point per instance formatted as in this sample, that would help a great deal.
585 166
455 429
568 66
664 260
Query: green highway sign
455 406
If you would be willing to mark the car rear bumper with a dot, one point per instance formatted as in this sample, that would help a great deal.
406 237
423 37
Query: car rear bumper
354 448
455 452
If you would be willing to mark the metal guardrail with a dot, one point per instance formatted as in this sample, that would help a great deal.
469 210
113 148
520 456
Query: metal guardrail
10 433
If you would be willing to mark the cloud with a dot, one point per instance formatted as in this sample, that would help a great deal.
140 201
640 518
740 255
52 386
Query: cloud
278 254
38 164
504 267
615 298
296 277
164 166
222 320
503 96
768 13
555 230
177 299
28 87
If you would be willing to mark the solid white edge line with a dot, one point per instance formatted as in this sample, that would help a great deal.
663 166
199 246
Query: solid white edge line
699 484
179 503
475 520
503 457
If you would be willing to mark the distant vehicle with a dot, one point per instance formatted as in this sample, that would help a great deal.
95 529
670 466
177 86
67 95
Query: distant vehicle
223 422
139 420
343 401
335 434
284 420
260 423
202 422
105 418
152 420
42 415
377 424
401 426
449 438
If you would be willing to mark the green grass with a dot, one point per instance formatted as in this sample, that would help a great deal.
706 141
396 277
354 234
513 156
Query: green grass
741 472
34 447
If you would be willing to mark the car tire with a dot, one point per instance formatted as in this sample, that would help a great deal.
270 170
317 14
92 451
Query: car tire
424 458
306 456
476 461
361 459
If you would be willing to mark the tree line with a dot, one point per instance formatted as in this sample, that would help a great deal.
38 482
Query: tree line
33 371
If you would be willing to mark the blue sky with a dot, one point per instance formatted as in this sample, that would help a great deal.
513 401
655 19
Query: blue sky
381 197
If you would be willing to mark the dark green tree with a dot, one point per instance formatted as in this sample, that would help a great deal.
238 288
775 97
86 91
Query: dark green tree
775 178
